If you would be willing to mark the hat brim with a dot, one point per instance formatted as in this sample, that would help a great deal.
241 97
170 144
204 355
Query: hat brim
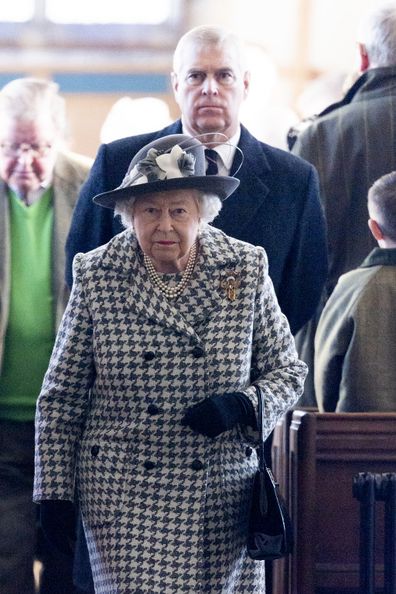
223 186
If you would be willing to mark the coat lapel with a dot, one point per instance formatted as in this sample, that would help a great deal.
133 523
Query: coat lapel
69 175
218 260
242 206
123 255
63 209
5 264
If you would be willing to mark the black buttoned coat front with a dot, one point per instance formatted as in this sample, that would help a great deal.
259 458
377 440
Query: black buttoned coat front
164 509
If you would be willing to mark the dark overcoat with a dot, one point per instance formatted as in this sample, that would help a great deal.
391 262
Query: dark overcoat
351 145
276 206
164 508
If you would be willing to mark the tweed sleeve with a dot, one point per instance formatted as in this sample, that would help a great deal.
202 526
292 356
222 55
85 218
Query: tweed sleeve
64 398
274 358
334 334
91 225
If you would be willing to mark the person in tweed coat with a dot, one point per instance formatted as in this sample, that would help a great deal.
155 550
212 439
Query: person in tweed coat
147 412
353 372
39 184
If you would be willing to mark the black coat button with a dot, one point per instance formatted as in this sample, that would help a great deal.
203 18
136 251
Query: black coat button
197 465
198 352
94 451
149 356
248 452
149 465
153 409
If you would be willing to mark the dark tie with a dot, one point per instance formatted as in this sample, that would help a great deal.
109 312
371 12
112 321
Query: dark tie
211 159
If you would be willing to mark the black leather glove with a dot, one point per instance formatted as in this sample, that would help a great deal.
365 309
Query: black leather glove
219 413
58 522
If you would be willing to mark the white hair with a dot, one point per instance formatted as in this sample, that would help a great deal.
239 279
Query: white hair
28 99
377 32
209 35
209 206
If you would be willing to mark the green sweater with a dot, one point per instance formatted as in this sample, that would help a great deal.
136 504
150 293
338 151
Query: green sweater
30 331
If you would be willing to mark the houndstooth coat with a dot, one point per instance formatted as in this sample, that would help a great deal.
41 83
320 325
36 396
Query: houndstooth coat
164 509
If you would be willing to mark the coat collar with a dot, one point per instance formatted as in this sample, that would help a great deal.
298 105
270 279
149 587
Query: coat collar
255 159
5 258
121 254
374 81
217 258
380 257
255 163
253 192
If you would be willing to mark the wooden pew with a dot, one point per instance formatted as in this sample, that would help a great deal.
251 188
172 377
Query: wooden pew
315 456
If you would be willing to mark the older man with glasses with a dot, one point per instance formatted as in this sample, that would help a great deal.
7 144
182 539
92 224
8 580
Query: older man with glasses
38 188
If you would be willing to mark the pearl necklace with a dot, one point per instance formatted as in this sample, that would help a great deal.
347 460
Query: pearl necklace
172 292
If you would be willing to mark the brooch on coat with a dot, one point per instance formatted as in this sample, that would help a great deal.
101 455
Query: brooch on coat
230 283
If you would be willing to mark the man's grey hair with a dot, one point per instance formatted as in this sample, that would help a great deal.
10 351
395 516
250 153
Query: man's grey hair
209 206
382 204
377 32
207 35
28 99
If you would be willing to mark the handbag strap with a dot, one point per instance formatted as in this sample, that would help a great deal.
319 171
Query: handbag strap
260 421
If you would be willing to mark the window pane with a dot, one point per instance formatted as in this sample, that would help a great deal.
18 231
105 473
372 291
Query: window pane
105 12
16 12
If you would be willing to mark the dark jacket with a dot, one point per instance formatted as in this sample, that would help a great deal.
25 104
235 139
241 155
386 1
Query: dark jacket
351 145
276 206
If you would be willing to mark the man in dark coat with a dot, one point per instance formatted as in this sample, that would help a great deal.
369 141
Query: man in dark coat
351 144
277 204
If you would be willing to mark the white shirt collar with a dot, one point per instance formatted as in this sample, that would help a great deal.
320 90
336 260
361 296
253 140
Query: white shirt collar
226 152
34 195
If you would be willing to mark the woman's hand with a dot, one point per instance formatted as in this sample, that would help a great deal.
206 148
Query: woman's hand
220 413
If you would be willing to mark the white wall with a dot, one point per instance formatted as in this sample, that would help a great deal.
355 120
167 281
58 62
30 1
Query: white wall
291 42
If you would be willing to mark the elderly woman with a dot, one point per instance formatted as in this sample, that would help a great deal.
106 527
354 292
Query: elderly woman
147 412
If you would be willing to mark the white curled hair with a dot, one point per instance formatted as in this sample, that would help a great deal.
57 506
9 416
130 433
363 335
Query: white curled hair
27 99
377 31
209 206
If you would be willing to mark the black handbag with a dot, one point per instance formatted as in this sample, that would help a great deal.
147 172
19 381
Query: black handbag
270 534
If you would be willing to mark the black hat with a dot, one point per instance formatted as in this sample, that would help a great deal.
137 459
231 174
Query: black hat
169 163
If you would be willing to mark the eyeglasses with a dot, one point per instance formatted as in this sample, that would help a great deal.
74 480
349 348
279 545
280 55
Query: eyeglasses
10 149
